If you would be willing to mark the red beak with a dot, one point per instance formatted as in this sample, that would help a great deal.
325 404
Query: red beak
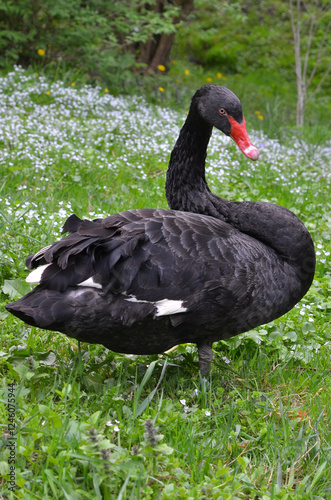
240 136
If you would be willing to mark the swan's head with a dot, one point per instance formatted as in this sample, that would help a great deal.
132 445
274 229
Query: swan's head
222 109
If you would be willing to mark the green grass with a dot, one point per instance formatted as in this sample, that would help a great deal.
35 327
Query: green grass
87 417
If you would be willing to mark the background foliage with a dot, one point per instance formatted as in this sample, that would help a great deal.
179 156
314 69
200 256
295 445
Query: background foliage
96 37
109 42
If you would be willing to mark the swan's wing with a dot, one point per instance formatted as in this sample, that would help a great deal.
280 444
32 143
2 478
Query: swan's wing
152 255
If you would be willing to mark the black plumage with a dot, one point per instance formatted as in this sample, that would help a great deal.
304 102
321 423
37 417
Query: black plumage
207 269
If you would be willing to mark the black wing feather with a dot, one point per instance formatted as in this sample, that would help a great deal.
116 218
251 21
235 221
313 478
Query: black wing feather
153 254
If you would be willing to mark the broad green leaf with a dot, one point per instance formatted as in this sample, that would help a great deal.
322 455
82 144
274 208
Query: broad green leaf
15 288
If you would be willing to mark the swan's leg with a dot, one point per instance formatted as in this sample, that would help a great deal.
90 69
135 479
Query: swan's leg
205 356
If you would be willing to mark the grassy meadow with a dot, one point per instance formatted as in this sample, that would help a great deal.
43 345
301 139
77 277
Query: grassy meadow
94 424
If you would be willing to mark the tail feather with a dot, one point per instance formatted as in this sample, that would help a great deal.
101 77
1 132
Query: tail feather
72 224
42 308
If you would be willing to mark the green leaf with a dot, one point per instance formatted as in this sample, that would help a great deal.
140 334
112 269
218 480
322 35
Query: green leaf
56 420
21 370
47 359
163 448
3 315
18 356
72 431
4 468
241 461
95 418
308 327
317 476
223 471
254 336
169 489
275 334
150 396
15 288
290 336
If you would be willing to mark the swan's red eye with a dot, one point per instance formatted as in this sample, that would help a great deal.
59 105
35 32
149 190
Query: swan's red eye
222 111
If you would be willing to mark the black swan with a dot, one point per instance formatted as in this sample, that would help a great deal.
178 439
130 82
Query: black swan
144 280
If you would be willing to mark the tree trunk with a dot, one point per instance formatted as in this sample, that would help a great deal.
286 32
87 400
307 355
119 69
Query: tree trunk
302 51
300 77
301 102
162 51
156 52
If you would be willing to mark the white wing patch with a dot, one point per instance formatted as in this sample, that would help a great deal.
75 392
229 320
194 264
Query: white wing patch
35 276
90 283
164 307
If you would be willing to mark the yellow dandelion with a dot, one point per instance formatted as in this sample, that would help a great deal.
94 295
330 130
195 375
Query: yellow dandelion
260 117
219 75
37 74
187 72
161 89
106 90
161 67
48 92
41 52
257 112
209 79
73 84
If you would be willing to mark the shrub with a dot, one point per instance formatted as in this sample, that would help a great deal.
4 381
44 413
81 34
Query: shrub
99 37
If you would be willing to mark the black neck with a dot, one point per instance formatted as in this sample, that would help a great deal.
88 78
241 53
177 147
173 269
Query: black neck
186 186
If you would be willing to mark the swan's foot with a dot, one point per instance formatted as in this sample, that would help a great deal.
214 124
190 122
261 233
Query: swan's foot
205 356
